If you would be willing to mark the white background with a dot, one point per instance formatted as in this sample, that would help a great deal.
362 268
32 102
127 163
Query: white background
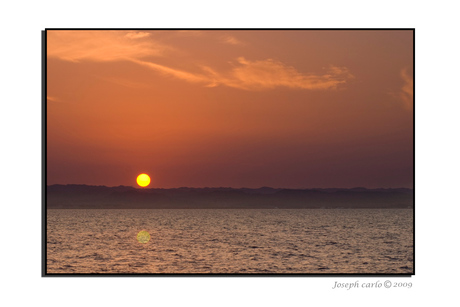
437 152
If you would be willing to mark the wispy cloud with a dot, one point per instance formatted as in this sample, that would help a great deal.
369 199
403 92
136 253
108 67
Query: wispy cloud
231 40
101 45
268 74
137 47
407 91
49 98
177 73
259 75
136 35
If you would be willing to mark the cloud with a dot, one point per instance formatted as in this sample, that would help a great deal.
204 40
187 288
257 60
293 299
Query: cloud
103 46
135 35
407 91
177 73
137 47
268 74
231 40
49 98
259 75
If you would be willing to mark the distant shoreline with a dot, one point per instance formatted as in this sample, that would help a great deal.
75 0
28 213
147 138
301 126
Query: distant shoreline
395 208
123 197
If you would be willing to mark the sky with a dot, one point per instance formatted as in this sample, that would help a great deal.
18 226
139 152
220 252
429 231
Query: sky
278 108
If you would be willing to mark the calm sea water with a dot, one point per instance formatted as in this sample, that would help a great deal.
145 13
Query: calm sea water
231 241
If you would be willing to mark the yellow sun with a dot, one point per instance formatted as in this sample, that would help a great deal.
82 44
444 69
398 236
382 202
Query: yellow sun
143 236
143 180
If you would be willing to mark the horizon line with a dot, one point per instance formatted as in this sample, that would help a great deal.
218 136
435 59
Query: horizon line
222 187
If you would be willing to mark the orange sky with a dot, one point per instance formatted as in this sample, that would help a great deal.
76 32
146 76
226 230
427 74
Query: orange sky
294 109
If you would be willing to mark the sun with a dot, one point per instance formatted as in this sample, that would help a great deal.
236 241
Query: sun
143 180
143 236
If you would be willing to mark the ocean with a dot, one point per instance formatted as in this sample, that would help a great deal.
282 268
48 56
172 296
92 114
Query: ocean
230 241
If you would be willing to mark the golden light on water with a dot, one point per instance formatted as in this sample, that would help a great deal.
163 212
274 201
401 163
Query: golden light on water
143 180
143 236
